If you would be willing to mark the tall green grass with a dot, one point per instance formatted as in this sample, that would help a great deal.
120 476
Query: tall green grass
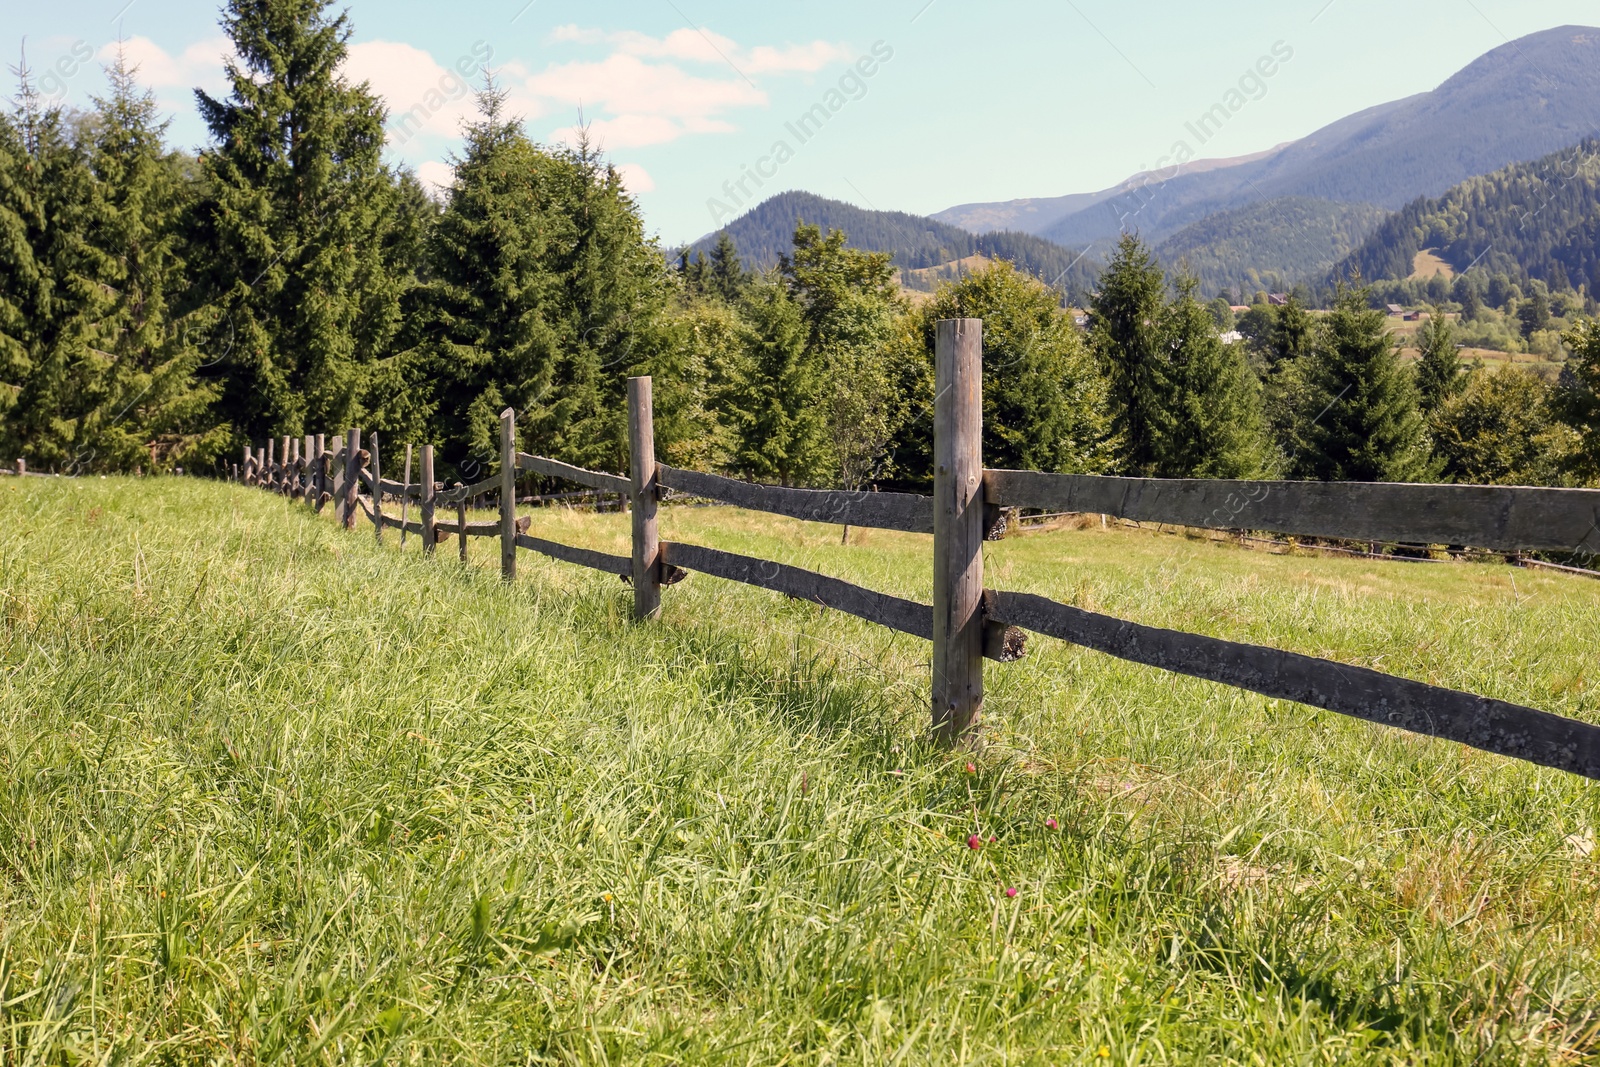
270 793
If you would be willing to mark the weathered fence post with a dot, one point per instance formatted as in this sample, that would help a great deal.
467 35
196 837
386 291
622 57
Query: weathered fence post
405 499
352 477
269 466
430 533
319 483
957 529
377 490
308 481
461 523
642 469
508 495
336 469
249 461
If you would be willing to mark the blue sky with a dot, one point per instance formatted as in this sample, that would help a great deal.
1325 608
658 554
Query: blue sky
929 104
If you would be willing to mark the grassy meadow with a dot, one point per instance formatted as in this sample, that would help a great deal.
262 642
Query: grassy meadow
273 793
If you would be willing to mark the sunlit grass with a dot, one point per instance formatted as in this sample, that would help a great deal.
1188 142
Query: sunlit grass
272 793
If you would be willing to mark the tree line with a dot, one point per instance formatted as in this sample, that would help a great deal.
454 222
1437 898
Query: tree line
159 309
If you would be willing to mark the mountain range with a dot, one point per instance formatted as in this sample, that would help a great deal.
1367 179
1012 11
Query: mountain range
1350 195
1518 102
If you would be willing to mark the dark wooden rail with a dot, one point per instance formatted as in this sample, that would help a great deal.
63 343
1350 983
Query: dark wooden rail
1502 518
882 511
1492 725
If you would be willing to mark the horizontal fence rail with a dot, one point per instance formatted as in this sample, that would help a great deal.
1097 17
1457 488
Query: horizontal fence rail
550 468
966 622
1004 645
1481 722
621 566
1502 518
881 511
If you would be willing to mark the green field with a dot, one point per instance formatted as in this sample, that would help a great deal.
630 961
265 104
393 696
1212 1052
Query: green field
271 793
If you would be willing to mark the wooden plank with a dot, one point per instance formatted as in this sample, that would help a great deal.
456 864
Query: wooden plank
405 498
308 482
1497 517
508 495
462 493
352 468
622 566
320 481
552 468
462 529
643 494
906 616
958 515
1492 725
337 468
375 480
430 537
884 511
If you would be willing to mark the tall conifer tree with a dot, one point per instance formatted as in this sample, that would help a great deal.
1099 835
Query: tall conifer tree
51 299
1126 334
1359 419
295 223
1212 423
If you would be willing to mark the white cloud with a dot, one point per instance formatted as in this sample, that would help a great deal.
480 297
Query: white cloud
638 95
201 65
636 178
423 95
436 177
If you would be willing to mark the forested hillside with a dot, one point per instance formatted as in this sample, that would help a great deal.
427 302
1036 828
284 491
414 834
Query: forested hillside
763 235
1538 220
1269 245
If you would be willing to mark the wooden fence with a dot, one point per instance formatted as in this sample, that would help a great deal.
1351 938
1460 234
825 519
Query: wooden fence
968 623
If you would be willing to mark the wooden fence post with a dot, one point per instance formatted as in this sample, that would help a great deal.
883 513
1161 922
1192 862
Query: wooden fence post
430 534
405 499
249 461
269 466
377 490
957 529
642 469
319 480
308 481
22 466
508 495
461 523
336 469
352 476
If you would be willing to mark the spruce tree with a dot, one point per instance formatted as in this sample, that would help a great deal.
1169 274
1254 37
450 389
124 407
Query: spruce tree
779 407
1212 424
1439 371
1126 317
1358 419
728 276
1293 332
294 229
51 298
148 409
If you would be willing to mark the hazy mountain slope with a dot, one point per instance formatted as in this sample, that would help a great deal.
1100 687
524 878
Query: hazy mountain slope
1517 102
766 232
1538 219
1269 245
1038 214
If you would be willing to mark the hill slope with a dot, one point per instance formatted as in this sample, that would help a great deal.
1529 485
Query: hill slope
766 232
1269 245
1529 220
1517 102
